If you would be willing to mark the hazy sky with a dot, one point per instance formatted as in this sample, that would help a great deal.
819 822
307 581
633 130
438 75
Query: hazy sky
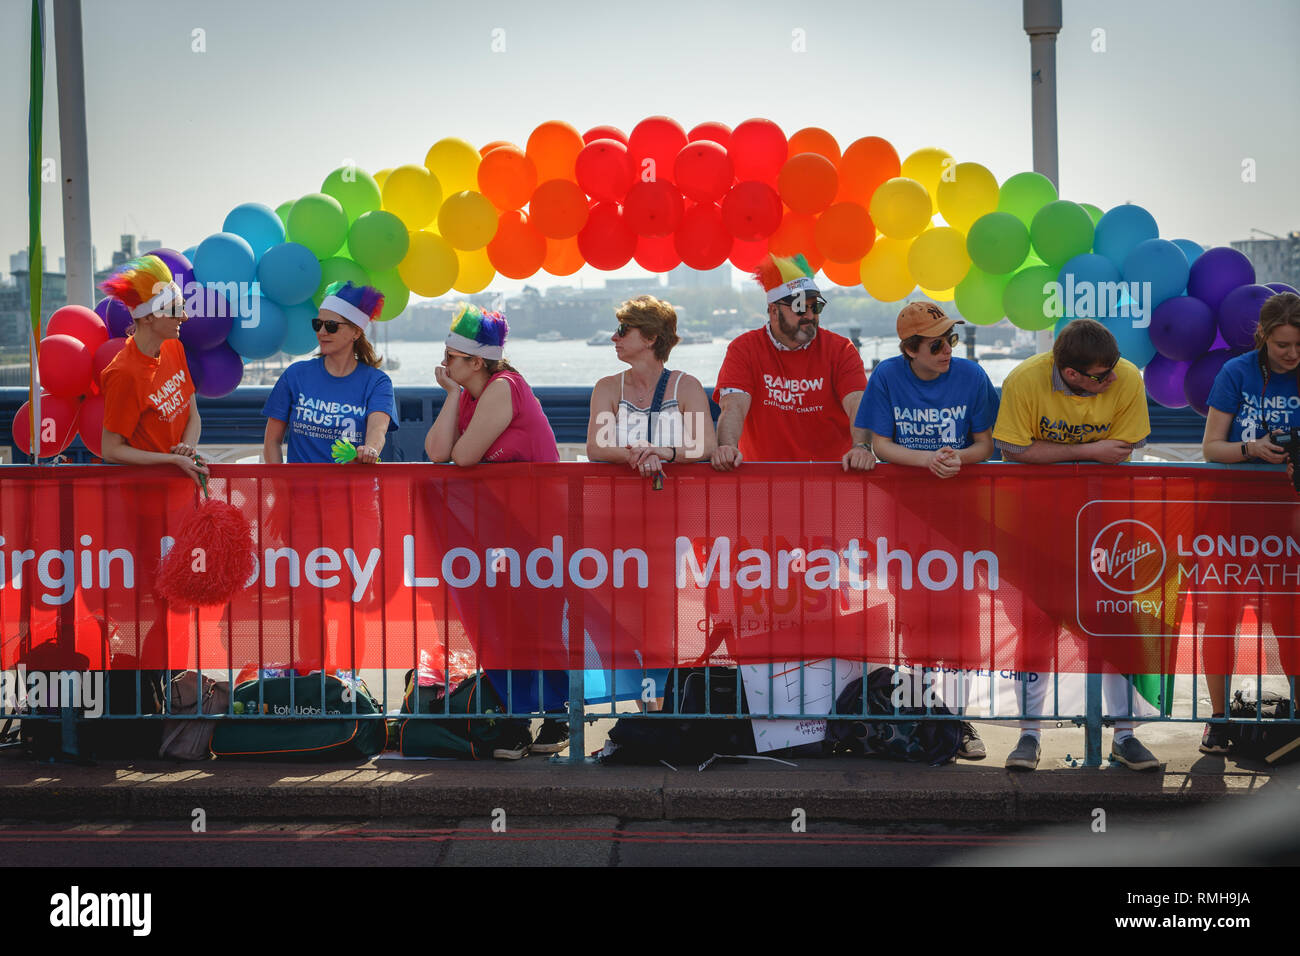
1165 115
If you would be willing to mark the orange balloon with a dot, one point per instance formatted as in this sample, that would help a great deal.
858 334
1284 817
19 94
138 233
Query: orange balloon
808 182
554 147
563 257
507 177
796 235
845 233
847 274
518 249
811 139
866 164
558 209
495 144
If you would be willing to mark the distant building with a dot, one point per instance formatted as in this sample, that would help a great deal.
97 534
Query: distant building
1275 260
684 277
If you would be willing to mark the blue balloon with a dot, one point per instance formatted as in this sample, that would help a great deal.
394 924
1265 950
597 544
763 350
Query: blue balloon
225 257
189 254
1134 342
257 224
300 338
259 328
1190 249
1088 282
1120 230
289 273
1160 263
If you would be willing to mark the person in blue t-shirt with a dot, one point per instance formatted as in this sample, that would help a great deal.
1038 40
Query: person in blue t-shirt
928 409
340 394
1254 396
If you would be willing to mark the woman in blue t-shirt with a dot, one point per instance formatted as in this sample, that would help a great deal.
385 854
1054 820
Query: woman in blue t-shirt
1254 396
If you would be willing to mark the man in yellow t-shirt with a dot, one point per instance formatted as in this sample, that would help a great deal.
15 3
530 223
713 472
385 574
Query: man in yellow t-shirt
1080 402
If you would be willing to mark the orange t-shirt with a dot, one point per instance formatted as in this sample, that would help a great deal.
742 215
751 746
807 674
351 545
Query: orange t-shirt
147 400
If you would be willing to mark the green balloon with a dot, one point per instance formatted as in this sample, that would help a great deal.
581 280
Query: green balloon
1024 194
354 188
1026 303
396 294
997 242
1060 231
979 296
282 211
378 241
317 222
338 269
1094 212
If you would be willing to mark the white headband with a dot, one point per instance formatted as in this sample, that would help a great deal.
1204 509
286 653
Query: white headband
164 298
802 284
346 309
470 347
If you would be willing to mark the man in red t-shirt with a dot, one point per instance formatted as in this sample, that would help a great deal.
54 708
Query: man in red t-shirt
790 389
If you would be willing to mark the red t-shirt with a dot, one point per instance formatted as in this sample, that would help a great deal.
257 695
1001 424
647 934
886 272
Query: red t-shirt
528 437
147 400
796 410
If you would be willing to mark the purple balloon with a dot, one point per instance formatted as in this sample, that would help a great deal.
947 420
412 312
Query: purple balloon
1216 272
1200 379
1182 329
115 315
1164 380
217 372
1239 314
1218 343
176 261
1282 287
211 319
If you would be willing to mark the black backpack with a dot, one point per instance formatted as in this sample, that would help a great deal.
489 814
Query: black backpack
651 738
1256 741
930 741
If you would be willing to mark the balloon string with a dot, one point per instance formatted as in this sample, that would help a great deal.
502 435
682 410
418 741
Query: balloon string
203 479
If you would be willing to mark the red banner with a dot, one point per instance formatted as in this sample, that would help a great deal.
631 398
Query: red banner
1133 569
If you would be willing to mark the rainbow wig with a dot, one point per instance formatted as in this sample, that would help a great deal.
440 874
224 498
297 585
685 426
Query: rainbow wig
359 304
476 332
144 285
781 277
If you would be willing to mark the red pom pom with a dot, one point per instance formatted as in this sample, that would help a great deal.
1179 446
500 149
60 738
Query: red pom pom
212 557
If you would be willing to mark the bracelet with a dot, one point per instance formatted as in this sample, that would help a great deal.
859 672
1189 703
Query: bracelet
674 458
1245 455
863 444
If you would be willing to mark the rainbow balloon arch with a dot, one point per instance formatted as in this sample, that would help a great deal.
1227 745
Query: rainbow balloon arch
664 196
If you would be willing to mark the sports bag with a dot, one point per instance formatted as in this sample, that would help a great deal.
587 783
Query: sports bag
915 741
650 739
192 739
349 737
1258 741
465 737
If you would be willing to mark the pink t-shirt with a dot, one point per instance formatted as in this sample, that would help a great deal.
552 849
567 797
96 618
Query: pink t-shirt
528 437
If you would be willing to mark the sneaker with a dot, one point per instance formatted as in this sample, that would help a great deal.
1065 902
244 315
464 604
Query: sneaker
552 738
1132 754
514 743
1025 756
1215 739
972 748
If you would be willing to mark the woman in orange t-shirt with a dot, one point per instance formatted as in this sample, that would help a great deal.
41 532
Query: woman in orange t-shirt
150 416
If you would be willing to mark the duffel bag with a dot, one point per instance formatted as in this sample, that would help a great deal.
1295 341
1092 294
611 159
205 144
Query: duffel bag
350 736
464 737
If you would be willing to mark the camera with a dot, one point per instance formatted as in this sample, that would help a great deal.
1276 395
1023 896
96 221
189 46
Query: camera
1289 440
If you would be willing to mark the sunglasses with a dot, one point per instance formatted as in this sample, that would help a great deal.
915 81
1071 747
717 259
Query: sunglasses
1099 379
952 338
623 329
331 326
818 304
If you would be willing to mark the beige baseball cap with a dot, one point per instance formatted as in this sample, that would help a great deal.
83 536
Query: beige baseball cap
925 319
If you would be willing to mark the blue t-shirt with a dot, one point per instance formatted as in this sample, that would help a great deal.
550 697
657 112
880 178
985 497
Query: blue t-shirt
944 412
1239 391
320 408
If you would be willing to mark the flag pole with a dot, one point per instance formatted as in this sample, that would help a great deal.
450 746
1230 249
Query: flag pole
35 267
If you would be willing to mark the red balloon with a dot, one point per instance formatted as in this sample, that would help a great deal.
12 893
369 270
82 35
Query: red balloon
751 211
65 365
657 253
518 249
808 182
702 240
81 323
845 233
746 256
759 149
558 209
719 133
604 170
653 146
103 355
604 132
606 241
703 171
57 427
653 209
90 424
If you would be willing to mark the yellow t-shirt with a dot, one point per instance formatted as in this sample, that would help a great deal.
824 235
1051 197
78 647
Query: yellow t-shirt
1032 410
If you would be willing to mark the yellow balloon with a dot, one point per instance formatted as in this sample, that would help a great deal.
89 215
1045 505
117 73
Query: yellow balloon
946 295
475 271
900 208
455 163
884 270
927 167
966 193
938 258
430 267
467 220
381 176
413 195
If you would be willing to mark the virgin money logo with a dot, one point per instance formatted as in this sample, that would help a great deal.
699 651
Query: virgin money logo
1128 556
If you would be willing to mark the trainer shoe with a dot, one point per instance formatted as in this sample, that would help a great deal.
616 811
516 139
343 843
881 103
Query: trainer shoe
1215 739
1132 754
514 743
1025 756
552 738
972 748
